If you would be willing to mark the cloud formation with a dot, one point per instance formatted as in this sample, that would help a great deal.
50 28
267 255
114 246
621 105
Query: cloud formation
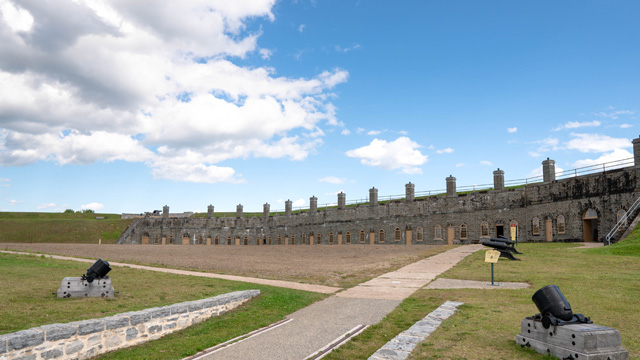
577 124
402 154
151 82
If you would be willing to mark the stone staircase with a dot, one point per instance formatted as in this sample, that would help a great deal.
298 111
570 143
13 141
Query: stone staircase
618 232
122 238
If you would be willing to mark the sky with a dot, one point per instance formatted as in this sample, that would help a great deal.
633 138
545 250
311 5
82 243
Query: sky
125 106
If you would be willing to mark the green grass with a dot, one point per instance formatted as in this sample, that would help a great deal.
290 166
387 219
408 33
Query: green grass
604 287
82 228
628 247
34 279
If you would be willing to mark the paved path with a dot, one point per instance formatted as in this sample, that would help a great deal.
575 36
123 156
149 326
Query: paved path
279 283
315 326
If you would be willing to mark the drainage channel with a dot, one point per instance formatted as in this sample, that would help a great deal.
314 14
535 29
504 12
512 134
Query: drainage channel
236 340
337 342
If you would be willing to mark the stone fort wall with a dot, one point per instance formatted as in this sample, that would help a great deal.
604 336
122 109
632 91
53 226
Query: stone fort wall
581 208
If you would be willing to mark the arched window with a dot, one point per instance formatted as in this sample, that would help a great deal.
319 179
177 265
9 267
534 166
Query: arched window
348 238
381 236
363 237
216 240
200 239
155 239
484 229
279 239
621 215
293 239
535 226
562 228
304 239
331 238
463 231
171 239
319 240
397 234
419 234
437 232
229 240
245 241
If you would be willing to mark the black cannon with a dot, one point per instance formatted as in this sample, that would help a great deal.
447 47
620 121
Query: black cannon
505 250
511 243
555 309
98 270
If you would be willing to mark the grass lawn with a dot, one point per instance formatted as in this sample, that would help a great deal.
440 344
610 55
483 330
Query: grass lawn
603 286
79 228
31 303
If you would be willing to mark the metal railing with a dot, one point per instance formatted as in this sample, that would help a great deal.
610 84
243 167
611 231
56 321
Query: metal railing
622 222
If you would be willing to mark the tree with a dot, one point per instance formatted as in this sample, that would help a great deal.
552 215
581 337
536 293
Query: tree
69 211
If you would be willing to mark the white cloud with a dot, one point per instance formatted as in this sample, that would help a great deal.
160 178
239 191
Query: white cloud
360 130
265 53
401 153
534 154
485 162
459 164
123 81
46 206
538 172
626 126
613 114
299 203
5 182
345 132
333 180
301 27
615 155
547 145
15 202
445 151
339 48
512 130
374 132
92 206
596 143
576 124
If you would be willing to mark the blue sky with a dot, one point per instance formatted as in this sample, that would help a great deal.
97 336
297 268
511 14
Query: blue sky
125 107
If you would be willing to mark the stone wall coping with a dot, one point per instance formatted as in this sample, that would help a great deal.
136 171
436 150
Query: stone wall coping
34 337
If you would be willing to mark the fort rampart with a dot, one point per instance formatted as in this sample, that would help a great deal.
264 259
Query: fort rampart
577 208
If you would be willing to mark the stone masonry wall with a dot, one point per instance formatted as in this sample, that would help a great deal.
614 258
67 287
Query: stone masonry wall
88 338
605 192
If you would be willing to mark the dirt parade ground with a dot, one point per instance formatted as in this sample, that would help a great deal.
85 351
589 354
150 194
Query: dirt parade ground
341 266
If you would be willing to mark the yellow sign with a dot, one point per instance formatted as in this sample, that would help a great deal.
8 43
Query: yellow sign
514 231
492 256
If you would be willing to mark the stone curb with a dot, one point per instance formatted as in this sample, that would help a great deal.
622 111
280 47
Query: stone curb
401 346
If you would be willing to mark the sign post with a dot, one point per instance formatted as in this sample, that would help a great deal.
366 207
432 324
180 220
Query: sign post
514 233
492 256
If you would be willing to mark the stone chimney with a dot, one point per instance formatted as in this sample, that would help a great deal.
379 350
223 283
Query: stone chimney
451 186
636 152
210 211
266 209
342 200
239 211
313 204
409 192
548 170
498 180
165 211
373 196
287 207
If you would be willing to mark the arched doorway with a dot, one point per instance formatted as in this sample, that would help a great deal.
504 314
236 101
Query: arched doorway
590 225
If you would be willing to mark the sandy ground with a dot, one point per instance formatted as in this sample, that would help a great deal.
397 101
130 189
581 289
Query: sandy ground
319 264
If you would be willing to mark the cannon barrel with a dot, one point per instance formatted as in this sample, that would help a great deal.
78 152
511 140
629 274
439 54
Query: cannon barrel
498 245
503 240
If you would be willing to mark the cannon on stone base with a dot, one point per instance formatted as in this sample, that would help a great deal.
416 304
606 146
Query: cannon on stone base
95 283
557 331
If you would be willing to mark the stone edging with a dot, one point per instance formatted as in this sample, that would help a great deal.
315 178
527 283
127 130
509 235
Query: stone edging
88 338
402 345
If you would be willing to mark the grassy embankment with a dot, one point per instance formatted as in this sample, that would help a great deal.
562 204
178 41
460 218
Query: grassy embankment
602 283
30 302
81 228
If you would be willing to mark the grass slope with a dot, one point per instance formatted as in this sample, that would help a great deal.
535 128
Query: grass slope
79 228
604 287
30 302
630 246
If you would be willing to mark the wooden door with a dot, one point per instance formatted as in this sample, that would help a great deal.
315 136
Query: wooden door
548 230
409 237
451 233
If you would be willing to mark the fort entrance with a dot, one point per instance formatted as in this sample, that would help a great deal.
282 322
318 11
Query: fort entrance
590 225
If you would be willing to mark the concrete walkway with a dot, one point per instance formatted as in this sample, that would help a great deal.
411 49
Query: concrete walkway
315 326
